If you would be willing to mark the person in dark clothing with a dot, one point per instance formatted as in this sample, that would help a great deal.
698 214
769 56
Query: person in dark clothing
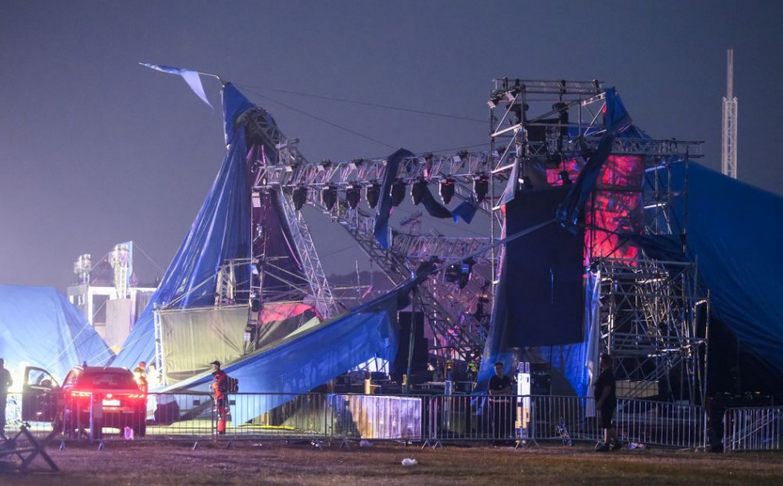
220 388
501 403
605 403
5 383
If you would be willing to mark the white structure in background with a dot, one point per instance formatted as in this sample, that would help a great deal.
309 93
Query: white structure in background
107 293
729 146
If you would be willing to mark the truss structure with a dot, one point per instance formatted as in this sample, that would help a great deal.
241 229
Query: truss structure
537 126
729 132
650 323
648 311
262 134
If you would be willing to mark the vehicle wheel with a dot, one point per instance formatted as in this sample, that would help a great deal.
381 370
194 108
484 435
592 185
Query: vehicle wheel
69 429
140 430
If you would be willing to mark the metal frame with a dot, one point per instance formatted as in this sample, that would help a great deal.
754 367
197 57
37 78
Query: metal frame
649 324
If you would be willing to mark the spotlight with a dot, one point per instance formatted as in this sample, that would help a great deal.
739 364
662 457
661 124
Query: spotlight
418 189
427 267
481 187
493 101
299 197
398 192
373 194
564 178
329 196
353 194
447 190
465 269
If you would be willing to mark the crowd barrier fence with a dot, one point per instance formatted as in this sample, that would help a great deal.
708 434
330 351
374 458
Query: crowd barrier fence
752 429
431 419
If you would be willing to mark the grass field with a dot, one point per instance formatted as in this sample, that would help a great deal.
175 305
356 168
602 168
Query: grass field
279 463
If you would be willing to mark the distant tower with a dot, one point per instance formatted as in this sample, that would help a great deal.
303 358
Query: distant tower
729 146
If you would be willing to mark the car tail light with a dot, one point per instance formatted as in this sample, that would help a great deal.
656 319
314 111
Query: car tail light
137 395
78 393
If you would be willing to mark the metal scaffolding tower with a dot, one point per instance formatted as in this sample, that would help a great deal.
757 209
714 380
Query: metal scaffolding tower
538 128
729 133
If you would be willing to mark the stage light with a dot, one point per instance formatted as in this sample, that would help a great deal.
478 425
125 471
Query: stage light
465 270
447 190
325 164
525 183
373 194
329 196
493 101
398 192
353 194
418 189
481 187
299 197
564 177
427 267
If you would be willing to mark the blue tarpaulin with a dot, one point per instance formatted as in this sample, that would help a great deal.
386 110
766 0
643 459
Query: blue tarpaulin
735 235
220 232
306 360
38 326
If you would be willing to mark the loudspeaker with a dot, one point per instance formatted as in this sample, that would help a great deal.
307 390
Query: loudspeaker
420 345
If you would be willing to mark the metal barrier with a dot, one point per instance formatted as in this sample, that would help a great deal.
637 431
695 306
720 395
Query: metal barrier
661 423
752 429
428 418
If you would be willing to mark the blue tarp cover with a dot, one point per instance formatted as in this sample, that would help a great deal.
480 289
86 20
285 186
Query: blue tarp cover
40 327
735 234
220 232
309 359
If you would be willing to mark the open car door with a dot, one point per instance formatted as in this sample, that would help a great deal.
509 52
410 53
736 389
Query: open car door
40 393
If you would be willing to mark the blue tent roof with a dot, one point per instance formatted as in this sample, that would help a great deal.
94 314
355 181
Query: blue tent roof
220 232
40 327
734 233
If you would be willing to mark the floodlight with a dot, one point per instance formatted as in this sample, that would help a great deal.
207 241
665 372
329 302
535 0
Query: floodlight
481 187
447 189
373 194
329 196
398 192
353 194
299 197
418 189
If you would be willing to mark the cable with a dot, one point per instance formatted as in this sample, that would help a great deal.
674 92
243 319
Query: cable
353 132
366 103
136 246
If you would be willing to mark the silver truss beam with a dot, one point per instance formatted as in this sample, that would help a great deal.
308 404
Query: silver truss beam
729 132
262 133
446 248
311 264
649 323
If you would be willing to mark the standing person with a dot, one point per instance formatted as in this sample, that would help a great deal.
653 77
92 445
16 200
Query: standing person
500 390
5 383
220 388
141 379
605 403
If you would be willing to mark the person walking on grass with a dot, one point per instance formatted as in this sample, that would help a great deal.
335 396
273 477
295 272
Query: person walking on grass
605 404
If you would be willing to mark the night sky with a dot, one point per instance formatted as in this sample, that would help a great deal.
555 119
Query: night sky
97 150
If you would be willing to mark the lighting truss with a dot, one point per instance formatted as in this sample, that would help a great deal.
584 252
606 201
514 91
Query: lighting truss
651 325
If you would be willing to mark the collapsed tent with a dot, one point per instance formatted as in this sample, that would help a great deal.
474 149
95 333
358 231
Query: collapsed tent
731 230
734 232
307 359
220 233
39 327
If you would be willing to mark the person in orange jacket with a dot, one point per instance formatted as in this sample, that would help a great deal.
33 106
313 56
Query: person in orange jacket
220 388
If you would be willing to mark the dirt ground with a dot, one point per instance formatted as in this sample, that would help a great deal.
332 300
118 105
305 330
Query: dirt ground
154 463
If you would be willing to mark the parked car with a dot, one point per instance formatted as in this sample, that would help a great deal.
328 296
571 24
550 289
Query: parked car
110 395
